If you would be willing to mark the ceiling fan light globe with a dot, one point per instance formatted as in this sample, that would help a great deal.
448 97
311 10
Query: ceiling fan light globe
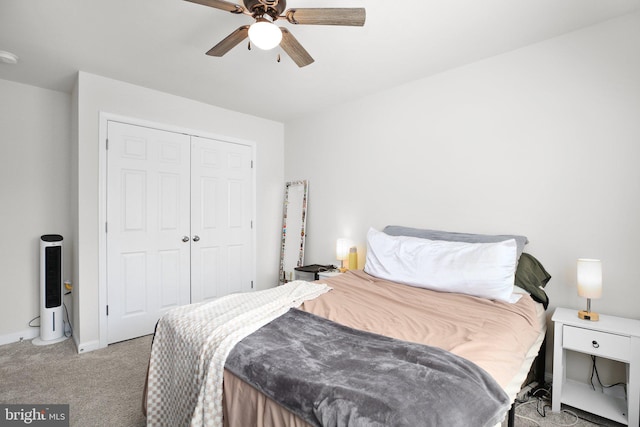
8 58
265 35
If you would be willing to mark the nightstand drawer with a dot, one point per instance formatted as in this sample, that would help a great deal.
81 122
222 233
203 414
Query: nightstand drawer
603 344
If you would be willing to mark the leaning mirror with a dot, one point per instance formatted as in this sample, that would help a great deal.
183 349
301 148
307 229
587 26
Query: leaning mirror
293 229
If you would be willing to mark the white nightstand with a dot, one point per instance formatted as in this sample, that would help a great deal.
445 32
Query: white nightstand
328 274
611 337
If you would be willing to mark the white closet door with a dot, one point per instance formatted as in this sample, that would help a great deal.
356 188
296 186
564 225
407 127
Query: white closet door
221 214
147 216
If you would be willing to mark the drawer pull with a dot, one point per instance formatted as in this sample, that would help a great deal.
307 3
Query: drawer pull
595 344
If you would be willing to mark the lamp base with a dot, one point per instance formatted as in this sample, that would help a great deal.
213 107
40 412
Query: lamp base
589 315
342 269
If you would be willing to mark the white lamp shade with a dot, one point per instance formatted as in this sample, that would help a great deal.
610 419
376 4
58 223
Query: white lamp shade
590 278
342 249
264 34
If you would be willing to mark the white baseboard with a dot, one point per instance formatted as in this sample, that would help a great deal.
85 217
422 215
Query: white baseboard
87 346
26 334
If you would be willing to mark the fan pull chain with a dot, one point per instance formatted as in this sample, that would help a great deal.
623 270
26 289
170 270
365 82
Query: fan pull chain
249 45
278 58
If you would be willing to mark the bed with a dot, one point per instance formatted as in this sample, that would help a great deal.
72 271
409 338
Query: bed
498 337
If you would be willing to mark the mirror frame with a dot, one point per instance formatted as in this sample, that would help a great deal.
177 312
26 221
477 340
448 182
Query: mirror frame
294 214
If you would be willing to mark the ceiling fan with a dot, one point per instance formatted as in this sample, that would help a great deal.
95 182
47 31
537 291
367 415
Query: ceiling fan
266 35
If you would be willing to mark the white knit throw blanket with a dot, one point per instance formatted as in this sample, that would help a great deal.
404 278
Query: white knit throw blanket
191 345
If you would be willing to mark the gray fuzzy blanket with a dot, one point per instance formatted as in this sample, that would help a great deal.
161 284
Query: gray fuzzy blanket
333 375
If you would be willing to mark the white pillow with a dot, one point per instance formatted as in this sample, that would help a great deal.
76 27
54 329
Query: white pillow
485 270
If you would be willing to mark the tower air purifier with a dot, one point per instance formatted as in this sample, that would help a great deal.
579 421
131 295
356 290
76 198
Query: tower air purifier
51 309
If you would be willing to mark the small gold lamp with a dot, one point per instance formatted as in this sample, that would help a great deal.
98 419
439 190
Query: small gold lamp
342 252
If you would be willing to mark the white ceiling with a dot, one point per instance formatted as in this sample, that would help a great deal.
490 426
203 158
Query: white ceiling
161 44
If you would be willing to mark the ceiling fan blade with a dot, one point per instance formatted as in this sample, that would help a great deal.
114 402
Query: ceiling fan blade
229 42
221 4
294 49
327 16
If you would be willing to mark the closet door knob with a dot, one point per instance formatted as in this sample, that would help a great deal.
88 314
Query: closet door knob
185 239
196 238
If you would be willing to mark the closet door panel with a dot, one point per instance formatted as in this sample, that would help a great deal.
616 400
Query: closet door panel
171 270
221 212
179 220
207 261
147 217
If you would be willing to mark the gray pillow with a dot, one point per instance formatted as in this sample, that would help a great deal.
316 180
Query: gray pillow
398 230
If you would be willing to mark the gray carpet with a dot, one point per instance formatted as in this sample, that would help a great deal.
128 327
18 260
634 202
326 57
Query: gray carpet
104 387
530 413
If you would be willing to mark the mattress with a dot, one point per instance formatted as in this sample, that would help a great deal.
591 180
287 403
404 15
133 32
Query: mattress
502 338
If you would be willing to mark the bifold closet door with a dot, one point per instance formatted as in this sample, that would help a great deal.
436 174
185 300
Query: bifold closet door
179 220
221 214
148 227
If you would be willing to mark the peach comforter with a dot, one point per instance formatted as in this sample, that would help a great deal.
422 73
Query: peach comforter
497 336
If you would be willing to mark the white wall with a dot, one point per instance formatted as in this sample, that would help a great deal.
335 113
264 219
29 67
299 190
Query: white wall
34 198
97 94
543 141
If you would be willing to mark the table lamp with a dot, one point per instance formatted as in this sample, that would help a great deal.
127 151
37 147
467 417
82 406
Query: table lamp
589 285
342 252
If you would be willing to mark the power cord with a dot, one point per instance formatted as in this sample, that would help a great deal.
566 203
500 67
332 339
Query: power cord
70 334
594 370
541 397
31 321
